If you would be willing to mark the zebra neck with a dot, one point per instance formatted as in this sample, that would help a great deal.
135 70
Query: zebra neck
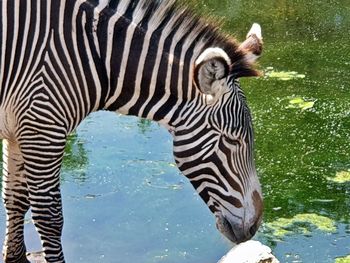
148 56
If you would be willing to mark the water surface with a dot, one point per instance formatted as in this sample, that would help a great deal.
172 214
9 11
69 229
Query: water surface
125 201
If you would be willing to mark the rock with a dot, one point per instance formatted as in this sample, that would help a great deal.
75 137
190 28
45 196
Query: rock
249 252
36 257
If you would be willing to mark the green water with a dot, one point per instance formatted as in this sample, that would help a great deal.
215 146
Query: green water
124 201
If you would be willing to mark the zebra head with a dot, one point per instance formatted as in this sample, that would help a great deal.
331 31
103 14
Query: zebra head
214 146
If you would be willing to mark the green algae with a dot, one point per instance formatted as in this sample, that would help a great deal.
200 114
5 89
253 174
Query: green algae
341 177
282 75
300 103
343 260
302 223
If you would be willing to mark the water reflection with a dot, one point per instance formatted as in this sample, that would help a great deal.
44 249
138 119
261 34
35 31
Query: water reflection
75 158
144 125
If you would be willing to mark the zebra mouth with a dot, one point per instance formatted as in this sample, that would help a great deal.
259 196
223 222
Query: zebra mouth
233 231
223 225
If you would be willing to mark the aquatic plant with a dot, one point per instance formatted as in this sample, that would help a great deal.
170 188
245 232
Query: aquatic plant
301 223
340 177
343 260
300 103
282 75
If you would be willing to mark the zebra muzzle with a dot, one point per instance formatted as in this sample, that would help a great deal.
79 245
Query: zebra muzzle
234 231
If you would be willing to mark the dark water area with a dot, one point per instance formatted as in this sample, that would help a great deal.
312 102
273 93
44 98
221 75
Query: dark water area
125 201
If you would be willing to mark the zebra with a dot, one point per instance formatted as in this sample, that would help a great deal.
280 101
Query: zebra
60 60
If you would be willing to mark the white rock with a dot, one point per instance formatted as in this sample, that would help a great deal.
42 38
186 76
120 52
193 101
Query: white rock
249 252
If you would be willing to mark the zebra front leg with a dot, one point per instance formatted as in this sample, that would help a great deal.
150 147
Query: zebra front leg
15 198
42 162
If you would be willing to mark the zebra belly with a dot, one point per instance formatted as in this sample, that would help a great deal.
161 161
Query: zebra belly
5 125
2 124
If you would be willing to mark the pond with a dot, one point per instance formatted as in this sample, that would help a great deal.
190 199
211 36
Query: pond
125 201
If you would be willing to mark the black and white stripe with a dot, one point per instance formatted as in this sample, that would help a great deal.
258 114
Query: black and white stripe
61 60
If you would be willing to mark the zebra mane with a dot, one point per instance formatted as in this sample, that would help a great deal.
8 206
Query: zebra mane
162 13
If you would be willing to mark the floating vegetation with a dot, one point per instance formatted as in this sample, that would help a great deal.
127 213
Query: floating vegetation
282 75
177 186
92 196
343 260
340 177
300 103
301 223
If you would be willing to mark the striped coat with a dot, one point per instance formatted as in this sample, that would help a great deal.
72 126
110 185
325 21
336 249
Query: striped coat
61 60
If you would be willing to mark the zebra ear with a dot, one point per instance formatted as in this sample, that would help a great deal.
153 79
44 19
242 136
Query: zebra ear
249 50
253 45
211 67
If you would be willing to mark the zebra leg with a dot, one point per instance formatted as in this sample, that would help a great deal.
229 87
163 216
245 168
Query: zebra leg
15 198
42 162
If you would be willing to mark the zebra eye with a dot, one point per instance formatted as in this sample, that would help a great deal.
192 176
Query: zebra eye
232 141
